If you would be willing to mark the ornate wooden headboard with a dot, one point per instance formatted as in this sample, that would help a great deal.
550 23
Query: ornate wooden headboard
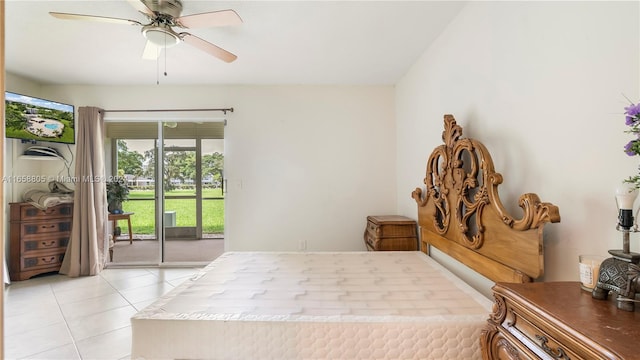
461 214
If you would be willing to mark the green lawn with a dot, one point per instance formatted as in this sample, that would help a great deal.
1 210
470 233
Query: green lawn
141 203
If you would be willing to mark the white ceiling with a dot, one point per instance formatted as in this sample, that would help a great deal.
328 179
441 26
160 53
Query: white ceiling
283 42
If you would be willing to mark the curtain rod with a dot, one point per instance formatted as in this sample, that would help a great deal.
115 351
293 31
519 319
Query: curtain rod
224 110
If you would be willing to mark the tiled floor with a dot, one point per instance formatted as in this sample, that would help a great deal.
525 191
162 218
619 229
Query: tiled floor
57 317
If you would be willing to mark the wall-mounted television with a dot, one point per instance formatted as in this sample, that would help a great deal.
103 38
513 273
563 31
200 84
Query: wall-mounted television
33 119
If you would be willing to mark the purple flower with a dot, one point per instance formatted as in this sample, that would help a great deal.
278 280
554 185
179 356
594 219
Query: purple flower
633 113
627 148
631 148
628 120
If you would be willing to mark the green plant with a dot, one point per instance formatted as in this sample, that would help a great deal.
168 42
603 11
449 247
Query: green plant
117 192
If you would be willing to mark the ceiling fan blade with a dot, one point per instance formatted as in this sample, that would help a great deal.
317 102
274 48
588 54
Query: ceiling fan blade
151 51
208 47
213 18
141 7
66 16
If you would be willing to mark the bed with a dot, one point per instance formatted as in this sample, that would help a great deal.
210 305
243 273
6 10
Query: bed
361 305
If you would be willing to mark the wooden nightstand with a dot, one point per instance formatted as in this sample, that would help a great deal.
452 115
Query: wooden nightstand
557 320
391 232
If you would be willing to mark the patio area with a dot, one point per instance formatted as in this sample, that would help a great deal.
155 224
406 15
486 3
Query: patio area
146 250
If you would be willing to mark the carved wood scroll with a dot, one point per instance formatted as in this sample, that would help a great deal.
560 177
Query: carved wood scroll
461 214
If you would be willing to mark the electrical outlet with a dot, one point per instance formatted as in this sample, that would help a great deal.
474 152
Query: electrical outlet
302 245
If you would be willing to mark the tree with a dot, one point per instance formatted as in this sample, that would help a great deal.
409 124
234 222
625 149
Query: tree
129 162
14 116
212 165
150 160
188 165
177 166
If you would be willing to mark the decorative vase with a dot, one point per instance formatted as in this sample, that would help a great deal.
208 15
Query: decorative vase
115 207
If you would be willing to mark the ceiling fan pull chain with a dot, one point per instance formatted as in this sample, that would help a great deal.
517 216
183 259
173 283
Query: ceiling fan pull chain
165 54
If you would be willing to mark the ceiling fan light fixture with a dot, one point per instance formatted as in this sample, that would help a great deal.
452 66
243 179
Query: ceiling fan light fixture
160 35
163 15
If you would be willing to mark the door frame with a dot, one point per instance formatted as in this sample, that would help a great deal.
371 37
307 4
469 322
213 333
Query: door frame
159 188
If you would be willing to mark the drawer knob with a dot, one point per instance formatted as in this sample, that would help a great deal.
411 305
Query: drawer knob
50 260
48 244
558 354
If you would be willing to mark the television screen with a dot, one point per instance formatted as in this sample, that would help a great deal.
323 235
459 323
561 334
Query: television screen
33 119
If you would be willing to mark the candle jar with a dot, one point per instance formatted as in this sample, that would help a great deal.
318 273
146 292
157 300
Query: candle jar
589 270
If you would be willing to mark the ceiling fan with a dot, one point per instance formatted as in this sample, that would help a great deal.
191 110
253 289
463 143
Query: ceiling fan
163 15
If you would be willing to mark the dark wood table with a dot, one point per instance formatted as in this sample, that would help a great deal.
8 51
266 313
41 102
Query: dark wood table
558 320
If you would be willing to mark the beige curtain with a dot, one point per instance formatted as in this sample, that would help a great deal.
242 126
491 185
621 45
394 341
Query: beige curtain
86 250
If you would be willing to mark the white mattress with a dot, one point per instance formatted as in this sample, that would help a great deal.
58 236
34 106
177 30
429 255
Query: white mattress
323 305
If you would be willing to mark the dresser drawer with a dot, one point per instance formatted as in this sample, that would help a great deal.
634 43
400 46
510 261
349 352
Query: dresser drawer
30 212
33 230
539 341
45 260
45 242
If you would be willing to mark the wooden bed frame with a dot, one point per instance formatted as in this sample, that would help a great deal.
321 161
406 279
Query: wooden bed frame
461 214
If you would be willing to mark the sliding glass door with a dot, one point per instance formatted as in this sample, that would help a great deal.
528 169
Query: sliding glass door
135 160
181 201
176 200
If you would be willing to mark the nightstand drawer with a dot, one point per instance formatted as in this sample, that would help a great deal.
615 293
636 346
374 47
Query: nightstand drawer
390 233
391 244
391 226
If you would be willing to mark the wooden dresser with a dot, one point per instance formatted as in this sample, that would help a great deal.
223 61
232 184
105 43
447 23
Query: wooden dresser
558 320
391 232
38 239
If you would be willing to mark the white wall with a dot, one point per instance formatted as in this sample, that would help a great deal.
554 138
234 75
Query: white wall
303 163
541 84
309 163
